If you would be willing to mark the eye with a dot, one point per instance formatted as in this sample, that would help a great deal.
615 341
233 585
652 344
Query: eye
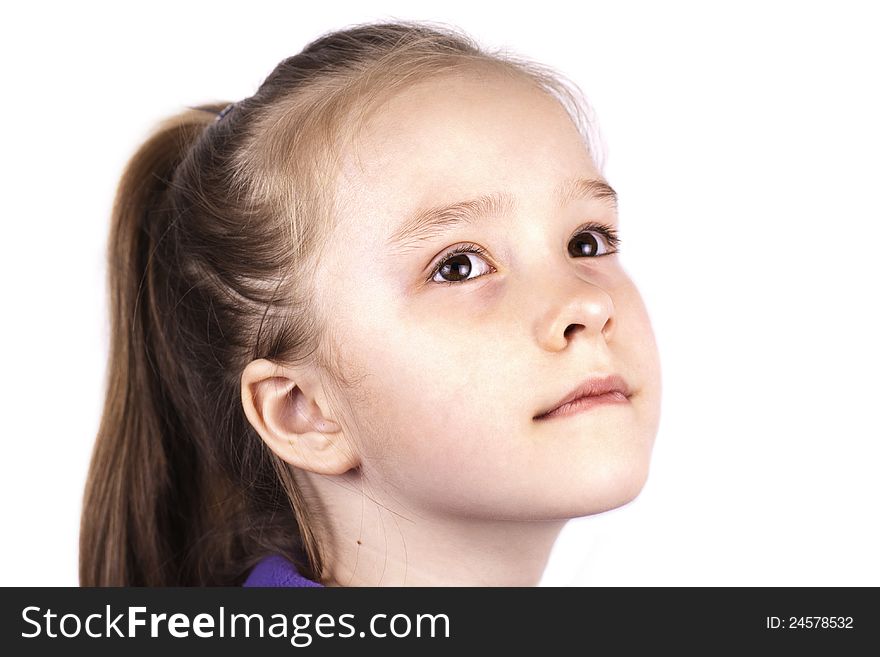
585 243
456 265
593 240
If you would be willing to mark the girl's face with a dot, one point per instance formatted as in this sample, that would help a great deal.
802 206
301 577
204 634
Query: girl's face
455 356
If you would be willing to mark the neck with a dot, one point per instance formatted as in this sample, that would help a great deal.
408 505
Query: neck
369 541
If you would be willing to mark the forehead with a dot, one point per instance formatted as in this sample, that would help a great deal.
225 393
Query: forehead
456 136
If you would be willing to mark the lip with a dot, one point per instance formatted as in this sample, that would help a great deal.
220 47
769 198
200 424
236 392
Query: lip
595 391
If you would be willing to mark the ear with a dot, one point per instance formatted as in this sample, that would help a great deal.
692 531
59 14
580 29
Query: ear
284 406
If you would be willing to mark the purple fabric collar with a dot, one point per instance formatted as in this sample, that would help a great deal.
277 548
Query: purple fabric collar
275 570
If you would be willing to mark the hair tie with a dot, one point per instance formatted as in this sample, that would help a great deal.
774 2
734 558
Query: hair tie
224 111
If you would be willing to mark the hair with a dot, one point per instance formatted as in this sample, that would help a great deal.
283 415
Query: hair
215 228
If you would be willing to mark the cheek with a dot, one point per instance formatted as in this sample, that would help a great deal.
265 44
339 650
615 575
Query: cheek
432 416
636 346
632 343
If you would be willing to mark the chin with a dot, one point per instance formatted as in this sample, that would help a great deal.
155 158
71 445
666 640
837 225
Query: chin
610 488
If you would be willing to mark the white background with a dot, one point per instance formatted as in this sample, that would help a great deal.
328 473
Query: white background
743 140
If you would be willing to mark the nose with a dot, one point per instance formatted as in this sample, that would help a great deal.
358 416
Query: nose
578 308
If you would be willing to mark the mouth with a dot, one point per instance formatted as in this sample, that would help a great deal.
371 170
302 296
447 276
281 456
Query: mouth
596 391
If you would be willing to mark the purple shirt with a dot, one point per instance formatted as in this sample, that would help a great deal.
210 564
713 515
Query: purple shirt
275 570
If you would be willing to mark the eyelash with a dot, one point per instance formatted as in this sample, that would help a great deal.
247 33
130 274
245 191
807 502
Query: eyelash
609 233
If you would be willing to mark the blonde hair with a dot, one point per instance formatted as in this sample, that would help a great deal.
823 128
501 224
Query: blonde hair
215 230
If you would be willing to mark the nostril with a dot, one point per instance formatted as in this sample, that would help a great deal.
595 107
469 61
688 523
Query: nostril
572 329
607 328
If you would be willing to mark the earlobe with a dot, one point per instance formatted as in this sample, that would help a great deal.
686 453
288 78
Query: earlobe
281 406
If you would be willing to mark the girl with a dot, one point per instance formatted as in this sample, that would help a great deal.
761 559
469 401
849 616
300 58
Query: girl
369 327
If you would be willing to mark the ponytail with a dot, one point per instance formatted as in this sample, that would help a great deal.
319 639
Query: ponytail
150 493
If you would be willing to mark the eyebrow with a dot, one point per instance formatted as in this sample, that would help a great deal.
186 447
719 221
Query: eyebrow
430 222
